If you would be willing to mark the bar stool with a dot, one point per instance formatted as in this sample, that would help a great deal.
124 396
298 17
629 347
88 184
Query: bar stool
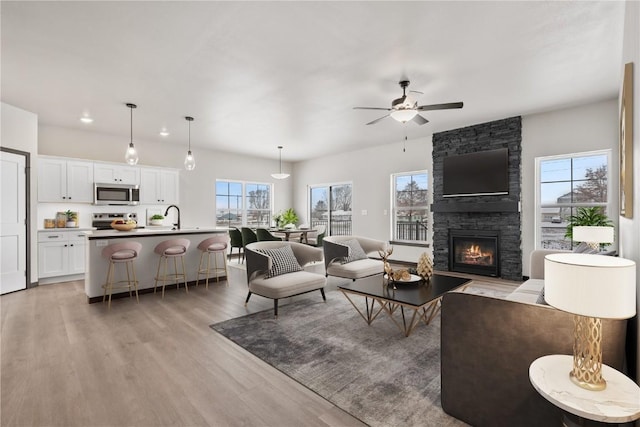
174 248
121 253
216 245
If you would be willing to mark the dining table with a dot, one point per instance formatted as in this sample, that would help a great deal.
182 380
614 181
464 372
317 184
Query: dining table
295 231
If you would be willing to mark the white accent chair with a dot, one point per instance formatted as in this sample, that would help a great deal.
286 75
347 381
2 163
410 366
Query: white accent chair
335 254
287 284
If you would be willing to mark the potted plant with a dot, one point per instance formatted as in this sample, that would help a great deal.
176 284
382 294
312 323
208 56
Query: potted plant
287 219
157 219
72 218
591 216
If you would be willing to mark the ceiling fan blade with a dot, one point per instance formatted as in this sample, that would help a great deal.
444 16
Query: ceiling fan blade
447 106
371 108
377 120
420 120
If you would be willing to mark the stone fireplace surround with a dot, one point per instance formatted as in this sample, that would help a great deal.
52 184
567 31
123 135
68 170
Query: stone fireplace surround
492 213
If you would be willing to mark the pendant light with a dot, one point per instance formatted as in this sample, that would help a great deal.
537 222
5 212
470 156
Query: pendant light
189 161
280 175
131 157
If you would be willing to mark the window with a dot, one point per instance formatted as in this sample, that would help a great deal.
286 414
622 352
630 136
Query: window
331 207
243 204
410 207
566 183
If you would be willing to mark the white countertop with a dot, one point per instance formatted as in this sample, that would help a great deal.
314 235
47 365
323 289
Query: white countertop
152 231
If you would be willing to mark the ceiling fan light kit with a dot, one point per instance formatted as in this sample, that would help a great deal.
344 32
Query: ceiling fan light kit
403 116
131 156
280 175
189 161
405 109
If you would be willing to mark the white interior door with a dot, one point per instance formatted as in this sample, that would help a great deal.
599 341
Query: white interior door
13 223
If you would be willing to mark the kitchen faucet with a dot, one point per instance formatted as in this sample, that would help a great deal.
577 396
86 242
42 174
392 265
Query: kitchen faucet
176 226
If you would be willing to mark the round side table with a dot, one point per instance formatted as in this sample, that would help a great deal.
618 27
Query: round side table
618 403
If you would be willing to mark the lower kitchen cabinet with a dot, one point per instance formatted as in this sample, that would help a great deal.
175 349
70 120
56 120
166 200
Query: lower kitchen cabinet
61 253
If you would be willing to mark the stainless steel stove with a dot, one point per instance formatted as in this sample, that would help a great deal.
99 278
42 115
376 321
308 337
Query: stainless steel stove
102 221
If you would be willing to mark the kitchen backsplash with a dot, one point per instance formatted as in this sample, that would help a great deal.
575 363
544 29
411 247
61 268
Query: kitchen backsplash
85 212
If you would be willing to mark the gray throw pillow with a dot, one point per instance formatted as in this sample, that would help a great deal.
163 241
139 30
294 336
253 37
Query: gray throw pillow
355 251
584 248
282 261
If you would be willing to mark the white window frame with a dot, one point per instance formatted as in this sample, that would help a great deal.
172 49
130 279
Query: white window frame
243 202
608 205
328 186
393 223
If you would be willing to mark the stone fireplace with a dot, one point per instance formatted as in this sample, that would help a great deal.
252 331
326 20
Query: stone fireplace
475 252
497 216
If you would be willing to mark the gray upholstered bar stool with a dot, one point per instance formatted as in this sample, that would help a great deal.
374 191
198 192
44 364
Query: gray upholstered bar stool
121 253
215 246
174 249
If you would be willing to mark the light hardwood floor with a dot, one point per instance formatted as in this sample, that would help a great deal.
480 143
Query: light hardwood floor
68 363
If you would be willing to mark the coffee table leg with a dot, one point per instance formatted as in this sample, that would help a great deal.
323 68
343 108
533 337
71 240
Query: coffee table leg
370 314
429 312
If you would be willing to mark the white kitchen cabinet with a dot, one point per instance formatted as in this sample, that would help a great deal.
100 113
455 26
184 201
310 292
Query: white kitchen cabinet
105 173
62 180
61 253
158 186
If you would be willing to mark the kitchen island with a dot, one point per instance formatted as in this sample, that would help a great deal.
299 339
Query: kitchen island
147 263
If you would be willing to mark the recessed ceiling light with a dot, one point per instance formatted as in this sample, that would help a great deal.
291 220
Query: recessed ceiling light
86 119
164 132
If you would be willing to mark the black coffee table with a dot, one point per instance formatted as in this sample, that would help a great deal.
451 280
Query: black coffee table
422 298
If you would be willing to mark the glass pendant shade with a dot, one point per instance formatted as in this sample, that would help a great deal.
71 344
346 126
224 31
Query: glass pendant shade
189 161
280 175
131 156
403 116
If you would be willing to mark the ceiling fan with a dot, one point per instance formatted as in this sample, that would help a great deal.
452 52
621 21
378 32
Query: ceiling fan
404 109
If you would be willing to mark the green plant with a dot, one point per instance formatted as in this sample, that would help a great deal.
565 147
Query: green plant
287 217
592 216
71 216
157 216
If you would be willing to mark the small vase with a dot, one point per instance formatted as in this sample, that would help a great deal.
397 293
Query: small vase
71 224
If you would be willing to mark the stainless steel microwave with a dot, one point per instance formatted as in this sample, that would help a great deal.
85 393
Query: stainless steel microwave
116 194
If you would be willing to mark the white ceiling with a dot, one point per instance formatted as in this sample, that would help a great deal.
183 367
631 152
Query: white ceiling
256 75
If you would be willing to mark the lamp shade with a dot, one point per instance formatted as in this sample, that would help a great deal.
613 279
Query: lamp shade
593 234
403 115
591 285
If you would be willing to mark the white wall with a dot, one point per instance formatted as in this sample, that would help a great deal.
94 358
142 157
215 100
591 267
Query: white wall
197 188
369 171
584 128
19 130
573 130
630 227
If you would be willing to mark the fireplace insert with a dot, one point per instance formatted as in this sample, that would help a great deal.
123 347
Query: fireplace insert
474 252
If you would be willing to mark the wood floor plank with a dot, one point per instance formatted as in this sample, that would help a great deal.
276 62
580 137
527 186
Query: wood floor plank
64 362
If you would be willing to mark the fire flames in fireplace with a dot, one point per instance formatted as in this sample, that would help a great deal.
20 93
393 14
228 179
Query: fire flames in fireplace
474 254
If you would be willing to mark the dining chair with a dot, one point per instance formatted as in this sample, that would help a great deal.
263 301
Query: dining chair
248 236
265 235
235 237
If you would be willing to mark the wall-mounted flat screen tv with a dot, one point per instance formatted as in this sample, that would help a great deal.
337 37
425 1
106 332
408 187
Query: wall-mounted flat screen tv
476 174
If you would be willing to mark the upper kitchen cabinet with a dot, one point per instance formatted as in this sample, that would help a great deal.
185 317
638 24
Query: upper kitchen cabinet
158 186
62 180
105 173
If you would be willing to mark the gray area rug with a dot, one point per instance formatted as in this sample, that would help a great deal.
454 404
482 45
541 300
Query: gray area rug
374 372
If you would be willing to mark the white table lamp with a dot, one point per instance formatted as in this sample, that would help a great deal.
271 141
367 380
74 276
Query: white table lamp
593 287
593 235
